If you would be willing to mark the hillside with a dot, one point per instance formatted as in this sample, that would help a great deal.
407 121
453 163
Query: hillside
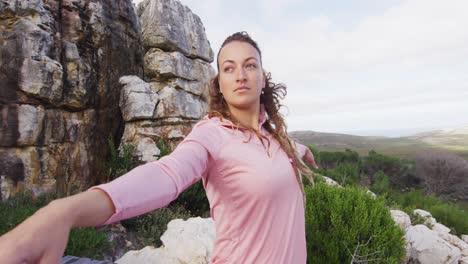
453 140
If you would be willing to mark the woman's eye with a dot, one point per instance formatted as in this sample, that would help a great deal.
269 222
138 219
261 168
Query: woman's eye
228 69
251 66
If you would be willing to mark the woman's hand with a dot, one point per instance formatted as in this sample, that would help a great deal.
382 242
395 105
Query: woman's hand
42 238
309 159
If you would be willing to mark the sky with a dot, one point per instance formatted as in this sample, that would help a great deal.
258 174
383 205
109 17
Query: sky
362 67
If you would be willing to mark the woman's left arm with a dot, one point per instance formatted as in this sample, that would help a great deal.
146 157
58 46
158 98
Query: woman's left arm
306 155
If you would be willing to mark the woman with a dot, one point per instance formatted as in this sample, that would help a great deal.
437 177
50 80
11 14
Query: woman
251 172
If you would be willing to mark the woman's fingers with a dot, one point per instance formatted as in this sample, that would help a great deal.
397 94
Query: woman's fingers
309 159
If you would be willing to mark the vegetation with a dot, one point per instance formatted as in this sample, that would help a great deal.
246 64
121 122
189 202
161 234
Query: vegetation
450 214
345 224
342 224
402 184
151 226
120 161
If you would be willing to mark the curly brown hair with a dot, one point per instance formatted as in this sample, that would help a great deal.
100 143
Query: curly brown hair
270 98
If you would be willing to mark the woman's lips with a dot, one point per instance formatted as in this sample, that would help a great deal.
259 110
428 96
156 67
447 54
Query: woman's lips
242 89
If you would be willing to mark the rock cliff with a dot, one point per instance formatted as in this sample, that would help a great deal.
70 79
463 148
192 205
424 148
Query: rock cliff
60 97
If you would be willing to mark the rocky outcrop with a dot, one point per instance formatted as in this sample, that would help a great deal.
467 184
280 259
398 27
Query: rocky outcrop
431 242
172 97
188 241
60 66
61 99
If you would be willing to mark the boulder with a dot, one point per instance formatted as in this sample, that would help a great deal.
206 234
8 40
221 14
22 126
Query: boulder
429 220
171 26
401 218
178 103
162 65
189 241
137 99
425 246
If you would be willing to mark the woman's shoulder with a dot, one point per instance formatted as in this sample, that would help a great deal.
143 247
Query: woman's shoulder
207 131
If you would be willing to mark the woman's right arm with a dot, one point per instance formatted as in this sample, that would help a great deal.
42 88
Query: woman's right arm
42 238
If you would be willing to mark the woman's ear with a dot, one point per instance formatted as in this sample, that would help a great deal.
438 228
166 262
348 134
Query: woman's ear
264 75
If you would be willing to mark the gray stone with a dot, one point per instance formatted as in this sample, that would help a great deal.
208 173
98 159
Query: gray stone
401 218
171 26
162 65
42 78
464 238
178 103
147 150
67 57
189 241
30 121
137 99
425 246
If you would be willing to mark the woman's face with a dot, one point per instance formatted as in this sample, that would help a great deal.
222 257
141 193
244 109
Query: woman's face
241 78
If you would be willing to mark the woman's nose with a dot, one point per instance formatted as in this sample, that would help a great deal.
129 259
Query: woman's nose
241 75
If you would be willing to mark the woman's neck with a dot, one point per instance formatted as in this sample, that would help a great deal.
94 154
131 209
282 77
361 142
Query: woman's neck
247 117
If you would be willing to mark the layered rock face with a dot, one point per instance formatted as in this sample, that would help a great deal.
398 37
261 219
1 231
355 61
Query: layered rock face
74 72
177 71
60 65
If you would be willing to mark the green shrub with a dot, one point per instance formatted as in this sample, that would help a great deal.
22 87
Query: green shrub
381 183
87 242
316 154
329 160
346 222
120 161
151 226
194 200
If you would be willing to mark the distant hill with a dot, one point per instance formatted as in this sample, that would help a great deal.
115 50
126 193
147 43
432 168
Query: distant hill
453 140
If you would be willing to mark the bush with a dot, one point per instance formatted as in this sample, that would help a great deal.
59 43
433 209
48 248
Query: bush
342 223
82 242
87 242
329 160
194 200
443 174
151 226
120 161
381 183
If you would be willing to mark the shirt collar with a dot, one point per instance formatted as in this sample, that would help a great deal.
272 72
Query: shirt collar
262 118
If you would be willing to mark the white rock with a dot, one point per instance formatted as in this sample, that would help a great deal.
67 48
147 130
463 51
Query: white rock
137 99
464 238
456 241
425 214
30 119
371 193
401 218
330 181
440 228
147 150
463 260
148 255
425 246
188 241
178 103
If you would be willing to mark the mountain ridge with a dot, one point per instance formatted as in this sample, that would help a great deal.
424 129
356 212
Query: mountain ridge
447 139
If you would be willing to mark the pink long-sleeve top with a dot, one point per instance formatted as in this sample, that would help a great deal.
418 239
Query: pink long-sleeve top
255 200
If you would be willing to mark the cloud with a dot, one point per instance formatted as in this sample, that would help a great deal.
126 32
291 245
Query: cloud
409 58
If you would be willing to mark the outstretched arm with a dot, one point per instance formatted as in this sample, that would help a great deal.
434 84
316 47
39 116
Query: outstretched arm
42 238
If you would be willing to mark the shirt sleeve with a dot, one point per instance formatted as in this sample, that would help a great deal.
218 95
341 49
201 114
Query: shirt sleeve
156 184
301 149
